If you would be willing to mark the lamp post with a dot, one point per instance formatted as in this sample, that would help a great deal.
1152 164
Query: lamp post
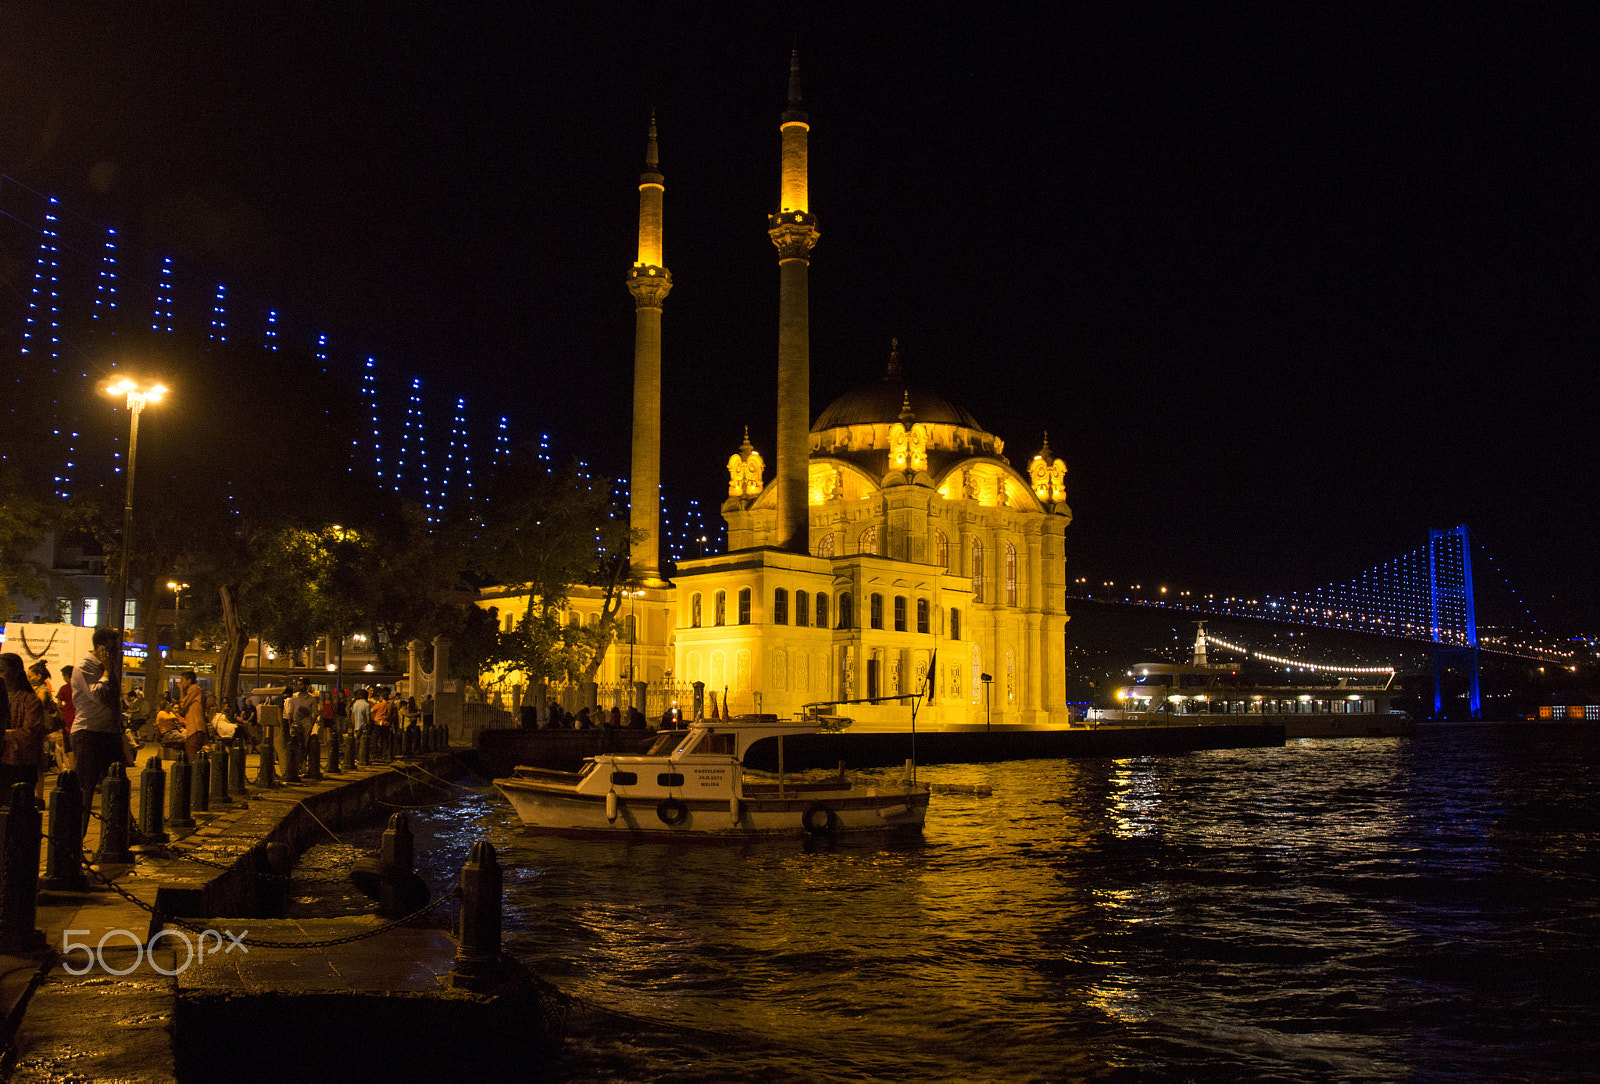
988 699
138 397
177 590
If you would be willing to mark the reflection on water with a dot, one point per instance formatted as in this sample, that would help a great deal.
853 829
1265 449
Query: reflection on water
1366 909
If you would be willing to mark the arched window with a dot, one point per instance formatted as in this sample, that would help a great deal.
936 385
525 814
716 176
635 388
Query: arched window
719 608
941 549
744 605
594 620
574 619
825 546
846 618
694 610
780 606
802 608
1011 574
899 613
955 623
922 615
868 542
822 610
977 570
875 610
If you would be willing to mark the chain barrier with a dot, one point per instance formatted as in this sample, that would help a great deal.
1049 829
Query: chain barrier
262 942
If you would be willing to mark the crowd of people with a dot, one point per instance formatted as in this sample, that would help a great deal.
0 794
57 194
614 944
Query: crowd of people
558 718
82 723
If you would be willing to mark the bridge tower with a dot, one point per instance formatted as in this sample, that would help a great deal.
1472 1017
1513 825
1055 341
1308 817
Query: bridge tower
1454 621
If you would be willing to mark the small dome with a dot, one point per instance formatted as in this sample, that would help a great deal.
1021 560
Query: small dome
882 400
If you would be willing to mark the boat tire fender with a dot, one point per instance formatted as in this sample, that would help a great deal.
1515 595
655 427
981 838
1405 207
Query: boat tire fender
819 820
672 812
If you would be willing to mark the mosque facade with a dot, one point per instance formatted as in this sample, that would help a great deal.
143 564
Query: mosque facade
896 551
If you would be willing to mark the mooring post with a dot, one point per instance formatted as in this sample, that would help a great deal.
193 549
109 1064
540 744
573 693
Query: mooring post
19 865
115 795
333 751
152 801
313 759
219 777
397 857
291 756
179 810
236 769
266 773
200 782
478 958
63 856
349 745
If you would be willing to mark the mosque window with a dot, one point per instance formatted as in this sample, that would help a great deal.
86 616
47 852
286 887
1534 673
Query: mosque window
1011 574
825 546
868 542
922 615
802 608
875 610
744 605
872 675
574 619
822 610
719 608
977 570
594 620
780 606
955 623
899 613
941 549
694 610
846 618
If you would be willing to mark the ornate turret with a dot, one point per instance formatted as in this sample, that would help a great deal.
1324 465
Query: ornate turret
794 231
745 470
1048 475
649 283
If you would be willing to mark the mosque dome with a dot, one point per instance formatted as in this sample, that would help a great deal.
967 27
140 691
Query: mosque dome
881 401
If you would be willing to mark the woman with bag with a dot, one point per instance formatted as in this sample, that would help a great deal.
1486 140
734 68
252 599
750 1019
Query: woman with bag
191 706
24 745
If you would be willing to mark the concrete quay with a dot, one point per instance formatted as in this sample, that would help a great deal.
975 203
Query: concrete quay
222 985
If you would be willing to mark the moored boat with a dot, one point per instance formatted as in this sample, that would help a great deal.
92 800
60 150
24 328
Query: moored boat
693 783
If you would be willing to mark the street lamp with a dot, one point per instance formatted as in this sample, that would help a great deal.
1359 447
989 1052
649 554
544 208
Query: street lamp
988 698
177 590
138 396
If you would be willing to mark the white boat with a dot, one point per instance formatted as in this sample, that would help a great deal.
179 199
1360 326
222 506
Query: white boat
694 783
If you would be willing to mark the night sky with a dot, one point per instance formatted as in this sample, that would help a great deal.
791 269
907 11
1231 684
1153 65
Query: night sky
1287 287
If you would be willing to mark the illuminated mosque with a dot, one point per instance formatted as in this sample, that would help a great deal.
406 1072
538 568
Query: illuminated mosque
894 538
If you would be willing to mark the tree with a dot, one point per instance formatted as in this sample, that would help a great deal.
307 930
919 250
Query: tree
25 519
539 533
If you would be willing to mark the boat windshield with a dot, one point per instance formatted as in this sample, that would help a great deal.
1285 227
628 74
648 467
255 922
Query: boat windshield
666 742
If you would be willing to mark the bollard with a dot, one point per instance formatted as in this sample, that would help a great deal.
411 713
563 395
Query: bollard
115 795
390 878
200 782
364 741
236 769
219 777
313 759
291 758
152 799
478 959
63 856
266 775
19 872
333 752
349 744
178 814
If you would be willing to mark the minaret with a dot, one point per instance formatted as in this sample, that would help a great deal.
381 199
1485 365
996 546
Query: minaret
794 230
649 283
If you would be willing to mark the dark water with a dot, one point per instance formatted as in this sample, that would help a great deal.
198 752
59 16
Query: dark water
1367 909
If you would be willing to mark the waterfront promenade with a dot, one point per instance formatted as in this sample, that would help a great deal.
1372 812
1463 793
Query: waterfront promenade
231 957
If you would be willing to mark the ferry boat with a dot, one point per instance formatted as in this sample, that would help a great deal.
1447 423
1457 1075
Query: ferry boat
1200 692
693 783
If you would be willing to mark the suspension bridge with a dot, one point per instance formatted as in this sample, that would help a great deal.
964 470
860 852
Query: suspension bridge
1425 596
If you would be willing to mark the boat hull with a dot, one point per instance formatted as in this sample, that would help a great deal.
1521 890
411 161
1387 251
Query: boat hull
551 810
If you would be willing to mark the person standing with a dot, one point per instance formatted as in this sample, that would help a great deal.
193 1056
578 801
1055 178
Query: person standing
360 712
24 743
68 714
96 730
326 718
192 709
